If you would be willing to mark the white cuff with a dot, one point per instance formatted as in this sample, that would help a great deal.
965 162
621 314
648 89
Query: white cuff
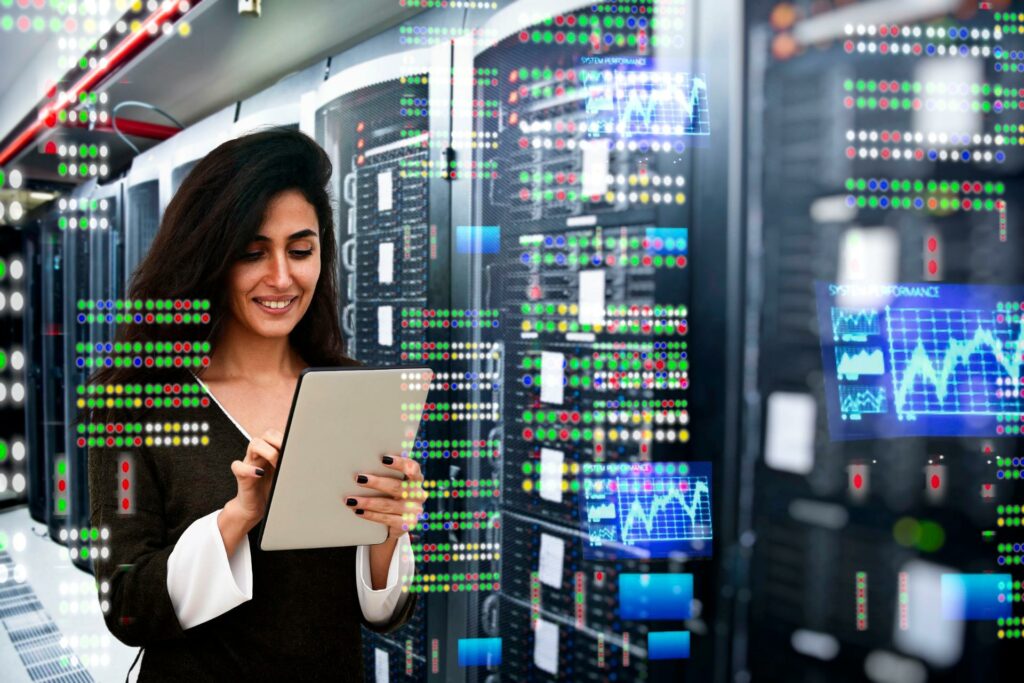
380 605
202 581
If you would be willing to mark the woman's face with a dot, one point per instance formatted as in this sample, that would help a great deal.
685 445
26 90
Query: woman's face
272 284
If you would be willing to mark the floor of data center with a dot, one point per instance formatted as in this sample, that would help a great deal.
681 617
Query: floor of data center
53 629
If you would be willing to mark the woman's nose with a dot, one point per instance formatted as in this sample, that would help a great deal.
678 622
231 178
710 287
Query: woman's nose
280 275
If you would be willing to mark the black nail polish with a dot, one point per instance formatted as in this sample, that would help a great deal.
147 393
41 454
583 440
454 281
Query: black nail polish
351 502
259 472
388 459
359 512
361 479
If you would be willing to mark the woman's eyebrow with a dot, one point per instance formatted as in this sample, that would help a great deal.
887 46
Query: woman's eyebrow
294 236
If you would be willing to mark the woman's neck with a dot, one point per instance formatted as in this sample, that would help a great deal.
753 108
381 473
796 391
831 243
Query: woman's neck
240 354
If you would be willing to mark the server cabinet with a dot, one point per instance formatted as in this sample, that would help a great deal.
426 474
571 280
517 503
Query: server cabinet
13 471
142 219
33 350
584 126
876 158
375 122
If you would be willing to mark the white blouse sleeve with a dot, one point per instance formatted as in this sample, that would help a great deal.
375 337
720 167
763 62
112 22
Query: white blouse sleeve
380 605
202 581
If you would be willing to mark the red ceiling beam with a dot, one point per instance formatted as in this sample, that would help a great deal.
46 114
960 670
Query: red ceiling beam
131 45
139 129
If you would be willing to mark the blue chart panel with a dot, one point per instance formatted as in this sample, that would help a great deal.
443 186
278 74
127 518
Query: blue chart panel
479 651
647 509
668 645
923 359
977 597
646 103
647 597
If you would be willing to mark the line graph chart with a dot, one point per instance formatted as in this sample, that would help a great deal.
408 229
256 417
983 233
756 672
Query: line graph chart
950 361
668 509
926 360
648 104
648 509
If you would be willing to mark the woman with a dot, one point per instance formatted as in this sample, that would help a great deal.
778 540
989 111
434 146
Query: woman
251 231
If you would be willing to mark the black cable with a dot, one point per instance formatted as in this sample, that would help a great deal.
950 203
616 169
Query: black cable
134 663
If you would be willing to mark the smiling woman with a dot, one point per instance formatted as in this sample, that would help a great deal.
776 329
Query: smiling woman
251 231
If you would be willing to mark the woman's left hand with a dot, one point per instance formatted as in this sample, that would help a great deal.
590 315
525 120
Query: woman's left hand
402 503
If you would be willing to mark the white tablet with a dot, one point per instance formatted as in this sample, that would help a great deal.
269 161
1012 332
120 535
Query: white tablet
341 422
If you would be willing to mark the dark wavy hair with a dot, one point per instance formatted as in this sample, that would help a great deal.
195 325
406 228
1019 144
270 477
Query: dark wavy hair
212 218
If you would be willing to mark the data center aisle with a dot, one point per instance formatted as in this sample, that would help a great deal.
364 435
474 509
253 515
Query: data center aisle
52 627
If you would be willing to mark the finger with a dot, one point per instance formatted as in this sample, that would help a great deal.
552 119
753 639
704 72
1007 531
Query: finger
385 505
395 522
273 437
391 487
407 466
243 470
259 447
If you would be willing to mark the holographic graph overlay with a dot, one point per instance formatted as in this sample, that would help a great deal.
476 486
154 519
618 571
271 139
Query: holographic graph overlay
647 509
143 312
645 104
923 360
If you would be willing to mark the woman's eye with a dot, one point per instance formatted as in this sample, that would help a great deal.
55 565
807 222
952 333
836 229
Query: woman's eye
302 253
251 255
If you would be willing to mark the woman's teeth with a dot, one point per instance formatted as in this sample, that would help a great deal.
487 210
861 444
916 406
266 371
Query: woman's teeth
274 304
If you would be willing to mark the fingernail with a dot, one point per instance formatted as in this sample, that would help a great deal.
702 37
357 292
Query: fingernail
361 479
351 501
388 459
259 472
359 512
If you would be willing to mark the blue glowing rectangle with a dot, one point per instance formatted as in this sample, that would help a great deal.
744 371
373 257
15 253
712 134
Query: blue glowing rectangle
479 651
977 597
668 645
930 359
651 597
477 239
673 241
647 510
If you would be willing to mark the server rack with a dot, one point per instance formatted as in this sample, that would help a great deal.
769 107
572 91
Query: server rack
93 286
826 520
52 266
531 168
393 270
35 427
14 477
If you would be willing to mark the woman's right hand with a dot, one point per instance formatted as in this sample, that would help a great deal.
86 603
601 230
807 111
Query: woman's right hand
255 474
